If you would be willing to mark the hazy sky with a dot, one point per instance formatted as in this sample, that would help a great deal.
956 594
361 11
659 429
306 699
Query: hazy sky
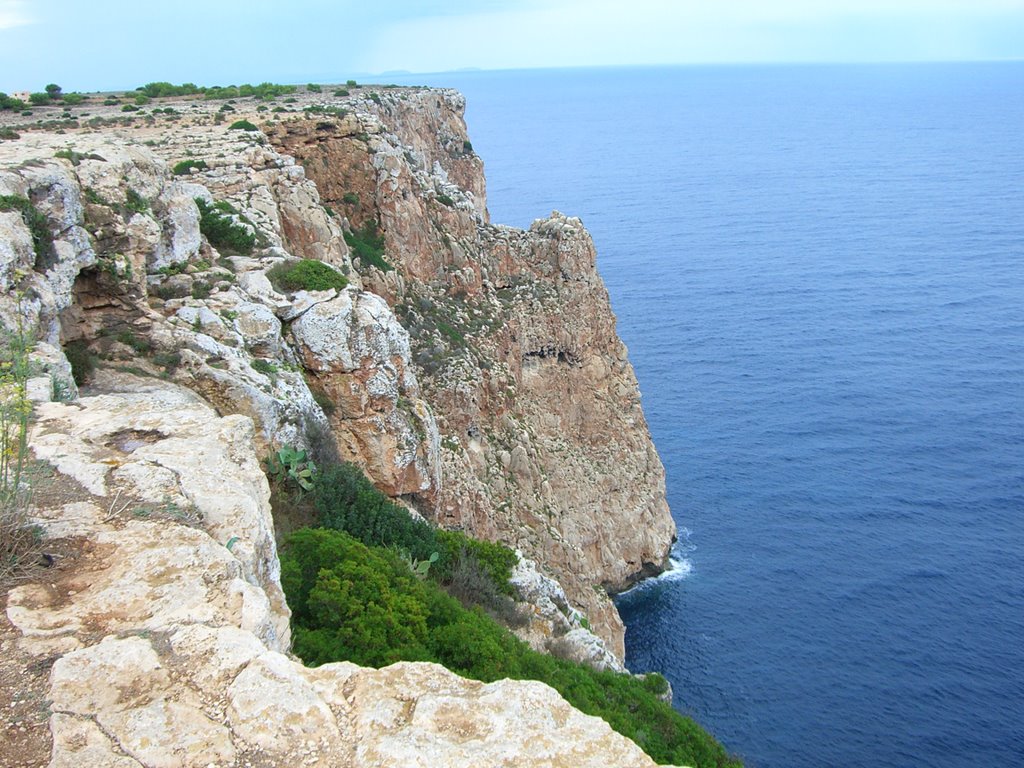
111 44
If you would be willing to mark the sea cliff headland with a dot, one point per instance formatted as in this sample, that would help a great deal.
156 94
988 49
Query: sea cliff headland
472 371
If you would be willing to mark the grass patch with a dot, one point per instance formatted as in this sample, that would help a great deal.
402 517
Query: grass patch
77 157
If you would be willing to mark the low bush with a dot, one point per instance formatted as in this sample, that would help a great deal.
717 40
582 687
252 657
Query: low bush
135 202
367 243
185 167
77 157
218 225
306 275
242 125
42 239
364 604
83 361
346 500
6 102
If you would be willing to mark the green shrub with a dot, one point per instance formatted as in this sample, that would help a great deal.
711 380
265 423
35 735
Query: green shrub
82 361
219 227
185 167
350 198
9 133
368 244
496 561
20 542
467 146
39 99
242 125
76 157
306 275
364 604
313 88
73 99
288 463
42 240
346 500
444 199
135 202
161 89
341 92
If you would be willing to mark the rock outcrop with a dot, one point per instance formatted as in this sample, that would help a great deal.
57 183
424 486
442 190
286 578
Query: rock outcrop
167 633
544 443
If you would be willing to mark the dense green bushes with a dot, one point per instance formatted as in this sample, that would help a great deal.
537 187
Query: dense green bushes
262 91
364 604
306 275
242 125
359 590
216 222
185 167
345 500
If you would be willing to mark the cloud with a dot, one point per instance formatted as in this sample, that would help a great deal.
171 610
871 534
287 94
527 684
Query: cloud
588 32
13 14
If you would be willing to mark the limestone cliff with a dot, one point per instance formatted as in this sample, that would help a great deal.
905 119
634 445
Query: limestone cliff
167 636
544 441
472 370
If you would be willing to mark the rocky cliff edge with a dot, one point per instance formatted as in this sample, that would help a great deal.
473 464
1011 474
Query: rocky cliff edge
473 371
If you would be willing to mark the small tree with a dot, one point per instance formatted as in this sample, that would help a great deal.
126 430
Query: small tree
39 99
53 91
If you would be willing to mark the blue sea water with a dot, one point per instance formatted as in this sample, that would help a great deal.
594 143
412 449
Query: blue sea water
819 273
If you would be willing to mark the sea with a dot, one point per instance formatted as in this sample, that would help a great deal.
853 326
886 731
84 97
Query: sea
819 273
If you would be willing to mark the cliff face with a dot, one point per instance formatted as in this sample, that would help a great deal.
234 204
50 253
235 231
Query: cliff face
544 443
474 373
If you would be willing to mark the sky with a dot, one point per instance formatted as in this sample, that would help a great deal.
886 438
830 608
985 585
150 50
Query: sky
114 44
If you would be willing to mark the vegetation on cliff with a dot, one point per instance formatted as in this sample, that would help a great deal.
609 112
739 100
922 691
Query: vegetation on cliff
359 591
19 540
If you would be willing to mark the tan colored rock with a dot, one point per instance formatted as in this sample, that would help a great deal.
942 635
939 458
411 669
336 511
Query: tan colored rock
161 669
545 443
355 349
78 742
